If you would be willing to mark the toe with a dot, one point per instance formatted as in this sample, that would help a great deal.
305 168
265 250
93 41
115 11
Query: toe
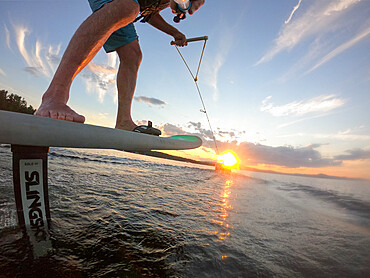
61 116
80 119
42 113
53 114
69 117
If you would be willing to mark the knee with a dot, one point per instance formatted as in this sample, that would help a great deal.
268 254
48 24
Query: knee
121 12
130 54
128 8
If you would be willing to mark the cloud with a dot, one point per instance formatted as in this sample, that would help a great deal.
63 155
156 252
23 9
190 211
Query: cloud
230 134
2 72
289 156
40 60
106 70
35 71
214 64
204 133
7 36
294 157
170 130
285 156
355 154
213 70
303 119
320 104
317 20
337 6
292 13
150 100
100 78
20 33
347 135
192 128
255 153
340 49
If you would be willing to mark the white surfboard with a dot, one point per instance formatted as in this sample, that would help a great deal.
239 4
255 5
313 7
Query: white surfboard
30 130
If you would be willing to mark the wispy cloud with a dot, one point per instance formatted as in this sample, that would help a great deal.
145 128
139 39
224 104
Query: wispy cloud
340 49
7 36
100 78
150 100
356 134
213 67
2 72
105 70
320 104
338 6
318 19
20 33
214 64
292 13
346 135
302 120
41 60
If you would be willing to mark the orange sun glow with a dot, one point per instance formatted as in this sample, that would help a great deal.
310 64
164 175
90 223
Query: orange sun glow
228 160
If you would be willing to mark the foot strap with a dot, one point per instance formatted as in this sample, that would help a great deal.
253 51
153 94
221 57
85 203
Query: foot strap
149 129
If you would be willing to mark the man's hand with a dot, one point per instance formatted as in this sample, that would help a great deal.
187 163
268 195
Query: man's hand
195 5
180 39
158 22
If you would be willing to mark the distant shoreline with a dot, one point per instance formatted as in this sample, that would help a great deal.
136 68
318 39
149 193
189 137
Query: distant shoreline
245 168
213 164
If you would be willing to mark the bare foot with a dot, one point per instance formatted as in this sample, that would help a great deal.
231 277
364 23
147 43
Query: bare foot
58 110
126 125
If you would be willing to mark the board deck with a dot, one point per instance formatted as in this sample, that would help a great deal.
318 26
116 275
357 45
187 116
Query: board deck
30 130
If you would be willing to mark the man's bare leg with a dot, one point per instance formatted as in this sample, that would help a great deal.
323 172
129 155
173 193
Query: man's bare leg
130 58
84 45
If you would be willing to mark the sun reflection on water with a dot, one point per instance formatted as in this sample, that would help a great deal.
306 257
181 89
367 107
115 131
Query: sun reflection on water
225 208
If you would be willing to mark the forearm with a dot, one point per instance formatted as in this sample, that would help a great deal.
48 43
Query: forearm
159 23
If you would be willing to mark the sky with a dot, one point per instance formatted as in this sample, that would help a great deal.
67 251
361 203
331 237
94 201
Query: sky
286 83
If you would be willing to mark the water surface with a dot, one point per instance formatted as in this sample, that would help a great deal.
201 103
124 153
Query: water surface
116 214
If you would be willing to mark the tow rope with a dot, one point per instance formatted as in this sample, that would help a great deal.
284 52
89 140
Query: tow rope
195 78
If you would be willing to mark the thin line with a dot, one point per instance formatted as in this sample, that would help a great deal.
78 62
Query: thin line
200 95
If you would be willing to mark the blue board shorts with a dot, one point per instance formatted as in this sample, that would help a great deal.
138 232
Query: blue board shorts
122 36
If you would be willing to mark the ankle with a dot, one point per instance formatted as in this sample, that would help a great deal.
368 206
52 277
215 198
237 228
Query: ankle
125 125
55 96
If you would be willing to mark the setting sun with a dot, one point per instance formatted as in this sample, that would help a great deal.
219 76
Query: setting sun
228 159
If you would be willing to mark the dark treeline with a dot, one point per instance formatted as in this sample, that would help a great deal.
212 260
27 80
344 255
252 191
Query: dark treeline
14 103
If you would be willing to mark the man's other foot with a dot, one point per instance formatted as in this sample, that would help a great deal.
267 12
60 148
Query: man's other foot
59 111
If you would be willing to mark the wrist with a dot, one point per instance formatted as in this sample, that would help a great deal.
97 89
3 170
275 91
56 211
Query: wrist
173 32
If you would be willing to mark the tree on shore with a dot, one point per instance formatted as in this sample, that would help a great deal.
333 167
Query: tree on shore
14 103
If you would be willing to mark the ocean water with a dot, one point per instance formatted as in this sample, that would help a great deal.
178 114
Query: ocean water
116 214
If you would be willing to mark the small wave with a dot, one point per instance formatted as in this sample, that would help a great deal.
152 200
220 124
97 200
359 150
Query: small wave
83 157
165 213
343 201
